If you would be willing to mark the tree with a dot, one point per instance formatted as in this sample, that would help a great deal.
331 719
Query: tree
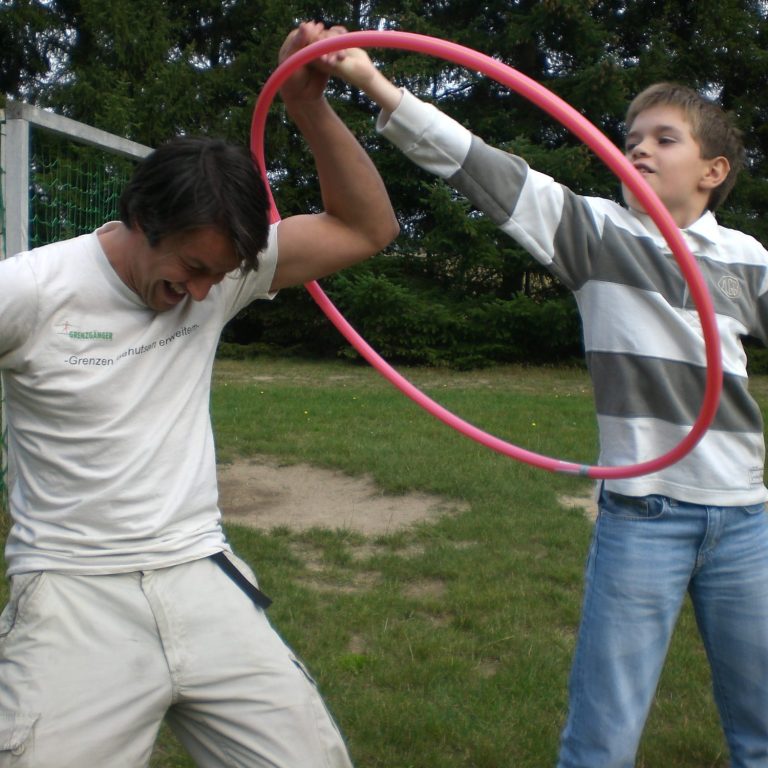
28 45
150 69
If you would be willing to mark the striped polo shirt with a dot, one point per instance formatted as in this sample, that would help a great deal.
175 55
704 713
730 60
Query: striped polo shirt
642 335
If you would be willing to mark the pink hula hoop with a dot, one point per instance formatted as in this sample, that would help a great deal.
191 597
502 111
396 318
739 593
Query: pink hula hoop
603 148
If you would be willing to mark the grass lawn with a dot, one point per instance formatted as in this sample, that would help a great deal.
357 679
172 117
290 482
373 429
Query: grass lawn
447 644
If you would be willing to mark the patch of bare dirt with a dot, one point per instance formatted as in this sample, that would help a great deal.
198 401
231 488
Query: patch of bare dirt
264 494
586 504
432 589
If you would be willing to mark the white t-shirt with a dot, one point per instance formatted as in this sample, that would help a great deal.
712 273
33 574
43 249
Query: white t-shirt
111 463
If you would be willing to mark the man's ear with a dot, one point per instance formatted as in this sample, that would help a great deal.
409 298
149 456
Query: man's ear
715 173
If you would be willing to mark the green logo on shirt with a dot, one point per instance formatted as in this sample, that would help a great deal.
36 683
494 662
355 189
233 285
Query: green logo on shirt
90 335
73 332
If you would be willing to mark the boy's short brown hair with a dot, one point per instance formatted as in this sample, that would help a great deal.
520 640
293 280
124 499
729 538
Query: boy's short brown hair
711 126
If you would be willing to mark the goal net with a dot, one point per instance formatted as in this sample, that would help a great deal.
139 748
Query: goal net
58 179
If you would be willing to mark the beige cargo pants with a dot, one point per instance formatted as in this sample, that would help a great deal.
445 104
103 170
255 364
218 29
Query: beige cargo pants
90 665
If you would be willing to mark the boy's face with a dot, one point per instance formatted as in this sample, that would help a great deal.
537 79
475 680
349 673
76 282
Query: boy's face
660 145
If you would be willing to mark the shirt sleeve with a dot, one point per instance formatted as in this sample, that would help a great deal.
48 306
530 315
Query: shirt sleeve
759 327
556 226
431 139
19 301
256 284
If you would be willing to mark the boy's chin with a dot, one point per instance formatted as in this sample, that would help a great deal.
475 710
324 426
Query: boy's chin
634 205
631 201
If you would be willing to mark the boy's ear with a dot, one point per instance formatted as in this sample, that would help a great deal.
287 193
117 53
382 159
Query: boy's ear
715 173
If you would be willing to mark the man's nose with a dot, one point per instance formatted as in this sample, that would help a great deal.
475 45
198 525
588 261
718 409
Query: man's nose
198 287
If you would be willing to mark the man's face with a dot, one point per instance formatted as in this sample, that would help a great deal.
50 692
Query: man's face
660 145
181 265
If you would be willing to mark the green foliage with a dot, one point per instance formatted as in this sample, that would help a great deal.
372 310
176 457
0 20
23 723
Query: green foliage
292 324
757 357
422 326
412 321
150 70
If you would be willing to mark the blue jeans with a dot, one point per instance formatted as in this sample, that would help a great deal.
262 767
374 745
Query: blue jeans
645 554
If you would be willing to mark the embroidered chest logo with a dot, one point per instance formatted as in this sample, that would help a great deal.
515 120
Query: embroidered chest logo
729 286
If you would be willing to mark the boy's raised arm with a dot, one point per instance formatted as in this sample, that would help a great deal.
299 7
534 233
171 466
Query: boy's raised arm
354 66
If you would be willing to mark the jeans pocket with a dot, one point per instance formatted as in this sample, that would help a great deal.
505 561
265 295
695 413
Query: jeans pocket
755 509
631 507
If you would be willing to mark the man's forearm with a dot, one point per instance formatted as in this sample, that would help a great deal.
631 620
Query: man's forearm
351 188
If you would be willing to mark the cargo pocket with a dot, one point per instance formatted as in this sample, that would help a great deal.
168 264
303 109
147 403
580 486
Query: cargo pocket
322 714
22 587
15 732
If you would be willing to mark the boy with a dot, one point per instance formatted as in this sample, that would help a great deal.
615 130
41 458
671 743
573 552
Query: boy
699 526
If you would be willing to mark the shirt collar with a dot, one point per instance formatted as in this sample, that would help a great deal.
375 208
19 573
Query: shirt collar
705 230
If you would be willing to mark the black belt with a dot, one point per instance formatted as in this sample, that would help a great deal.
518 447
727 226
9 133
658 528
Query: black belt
226 565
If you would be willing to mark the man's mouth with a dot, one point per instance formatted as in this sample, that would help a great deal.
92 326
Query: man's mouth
174 293
176 288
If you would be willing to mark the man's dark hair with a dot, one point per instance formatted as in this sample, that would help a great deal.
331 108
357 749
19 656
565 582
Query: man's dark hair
193 182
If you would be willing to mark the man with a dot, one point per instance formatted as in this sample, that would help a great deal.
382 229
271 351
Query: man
126 603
